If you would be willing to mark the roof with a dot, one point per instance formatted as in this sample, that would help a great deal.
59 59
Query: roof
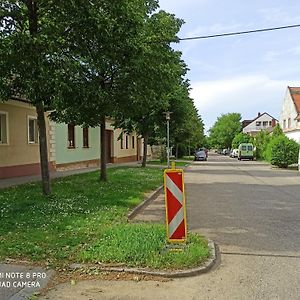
258 116
295 94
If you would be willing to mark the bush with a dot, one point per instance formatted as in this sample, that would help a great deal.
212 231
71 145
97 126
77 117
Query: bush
282 152
261 142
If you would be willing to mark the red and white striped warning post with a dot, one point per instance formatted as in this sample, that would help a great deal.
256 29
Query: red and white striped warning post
175 206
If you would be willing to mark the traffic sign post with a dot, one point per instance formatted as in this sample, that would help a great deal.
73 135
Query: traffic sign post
175 206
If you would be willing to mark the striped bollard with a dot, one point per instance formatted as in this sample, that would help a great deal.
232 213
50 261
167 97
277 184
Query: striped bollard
175 206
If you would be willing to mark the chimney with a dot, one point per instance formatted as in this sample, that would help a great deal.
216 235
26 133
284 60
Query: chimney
273 122
258 114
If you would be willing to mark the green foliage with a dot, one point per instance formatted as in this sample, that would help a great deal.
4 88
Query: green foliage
186 125
277 131
241 138
224 130
282 151
261 141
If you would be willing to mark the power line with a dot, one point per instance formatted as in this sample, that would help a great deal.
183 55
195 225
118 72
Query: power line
238 33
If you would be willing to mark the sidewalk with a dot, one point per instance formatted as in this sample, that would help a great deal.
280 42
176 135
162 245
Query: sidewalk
8 182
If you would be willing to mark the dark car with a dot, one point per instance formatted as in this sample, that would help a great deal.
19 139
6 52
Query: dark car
201 154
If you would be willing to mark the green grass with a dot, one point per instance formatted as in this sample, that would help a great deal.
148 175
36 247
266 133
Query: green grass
85 220
164 163
144 245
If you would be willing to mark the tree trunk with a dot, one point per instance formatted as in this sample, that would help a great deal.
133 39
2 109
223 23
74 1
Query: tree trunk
176 151
103 171
146 137
33 29
43 148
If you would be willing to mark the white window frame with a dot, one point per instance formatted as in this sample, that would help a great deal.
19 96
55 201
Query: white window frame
7 128
35 133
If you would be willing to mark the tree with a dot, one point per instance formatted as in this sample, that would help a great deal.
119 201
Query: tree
108 38
154 74
224 130
186 126
31 32
241 138
261 141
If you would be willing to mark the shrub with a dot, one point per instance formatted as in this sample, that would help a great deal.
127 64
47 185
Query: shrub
261 141
282 152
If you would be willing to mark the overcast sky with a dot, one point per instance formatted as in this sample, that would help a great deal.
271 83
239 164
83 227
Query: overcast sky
246 73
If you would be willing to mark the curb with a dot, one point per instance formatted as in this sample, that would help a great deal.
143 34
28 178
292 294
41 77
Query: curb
146 201
204 268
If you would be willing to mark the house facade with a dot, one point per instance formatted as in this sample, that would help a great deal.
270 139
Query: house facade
263 121
77 147
69 146
19 143
290 114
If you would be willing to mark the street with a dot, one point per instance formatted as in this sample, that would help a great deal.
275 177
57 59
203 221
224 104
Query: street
251 211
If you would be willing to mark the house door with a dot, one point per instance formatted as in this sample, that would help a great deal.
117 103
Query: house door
108 136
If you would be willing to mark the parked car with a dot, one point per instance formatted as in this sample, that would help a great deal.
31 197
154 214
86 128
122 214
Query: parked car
201 155
245 151
225 151
234 153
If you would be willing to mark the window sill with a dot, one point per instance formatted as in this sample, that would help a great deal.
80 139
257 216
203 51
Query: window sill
71 147
85 147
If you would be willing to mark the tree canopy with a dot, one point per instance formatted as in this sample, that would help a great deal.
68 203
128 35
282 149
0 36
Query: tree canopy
224 130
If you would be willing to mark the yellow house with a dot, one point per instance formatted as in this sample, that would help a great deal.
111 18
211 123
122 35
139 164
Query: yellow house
19 144
69 146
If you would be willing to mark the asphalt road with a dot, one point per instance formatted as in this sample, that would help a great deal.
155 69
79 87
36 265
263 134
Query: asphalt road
245 206
252 211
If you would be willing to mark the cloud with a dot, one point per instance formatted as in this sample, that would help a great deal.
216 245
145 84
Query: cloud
280 15
272 56
246 94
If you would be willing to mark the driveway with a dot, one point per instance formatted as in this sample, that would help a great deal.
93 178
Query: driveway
252 212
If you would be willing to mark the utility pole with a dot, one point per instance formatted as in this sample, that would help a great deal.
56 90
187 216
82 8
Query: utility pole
168 116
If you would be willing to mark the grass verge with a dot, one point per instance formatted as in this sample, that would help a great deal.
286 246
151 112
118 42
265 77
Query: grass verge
85 220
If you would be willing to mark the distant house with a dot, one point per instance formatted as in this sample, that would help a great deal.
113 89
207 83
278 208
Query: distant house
69 146
290 113
263 121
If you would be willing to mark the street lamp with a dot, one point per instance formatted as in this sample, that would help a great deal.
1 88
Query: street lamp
168 117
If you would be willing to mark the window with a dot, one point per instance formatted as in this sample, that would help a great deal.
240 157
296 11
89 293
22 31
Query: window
126 141
71 136
250 148
32 130
132 141
289 122
85 136
121 141
258 123
265 123
270 123
244 148
3 128
284 124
